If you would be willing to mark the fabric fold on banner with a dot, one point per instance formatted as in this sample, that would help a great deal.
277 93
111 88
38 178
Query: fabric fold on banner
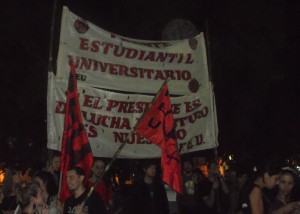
158 126
75 149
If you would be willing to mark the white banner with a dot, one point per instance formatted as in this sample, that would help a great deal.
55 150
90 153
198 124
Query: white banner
109 117
106 60
112 62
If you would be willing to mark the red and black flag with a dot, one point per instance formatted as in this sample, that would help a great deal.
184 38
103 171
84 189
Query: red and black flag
158 126
75 149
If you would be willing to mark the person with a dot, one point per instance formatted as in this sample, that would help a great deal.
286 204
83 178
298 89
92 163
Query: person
255 199
186 202
46 182
198 191
284 201
120 192
204 196
94 203
11 179
236 181
147 195
1 200
29 196
218 199
53 165
103 188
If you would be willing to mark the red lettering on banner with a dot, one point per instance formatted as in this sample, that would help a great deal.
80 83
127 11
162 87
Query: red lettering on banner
180 58
106 120
142 54
120 137
103 66
199 139
117 52
90 130
172 57
130 53
176 108
126 107
111 104
113 69
123 70
106 47
180 134
86 64
95 46
159 75
193 117
191 106
150 57
83 45
92 102
195 141
148 72
170 74
189 59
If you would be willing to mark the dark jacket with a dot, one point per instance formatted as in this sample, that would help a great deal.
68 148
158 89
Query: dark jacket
147 199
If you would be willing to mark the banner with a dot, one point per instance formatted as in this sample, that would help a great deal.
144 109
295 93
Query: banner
109 61
106 62
108 118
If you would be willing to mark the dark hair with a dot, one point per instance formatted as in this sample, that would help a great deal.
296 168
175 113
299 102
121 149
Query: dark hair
24 193
8 185
55 153
268 166
79 171
200 174
51 155
264 166
49 181
99 159
148 163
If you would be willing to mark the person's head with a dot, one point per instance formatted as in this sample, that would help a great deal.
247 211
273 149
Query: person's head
187 167
46 182
242 179
98 168
213 167
198 176
243 170
213 170
54 161
149 169
75 178
29 194
268 171
286 182
12 177
230 175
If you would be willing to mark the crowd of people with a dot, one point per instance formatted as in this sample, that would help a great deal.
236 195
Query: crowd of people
264 188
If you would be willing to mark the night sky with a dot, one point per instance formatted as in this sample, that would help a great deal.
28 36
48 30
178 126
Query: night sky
253 59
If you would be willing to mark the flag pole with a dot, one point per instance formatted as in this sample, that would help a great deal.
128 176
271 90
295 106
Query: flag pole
108 166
